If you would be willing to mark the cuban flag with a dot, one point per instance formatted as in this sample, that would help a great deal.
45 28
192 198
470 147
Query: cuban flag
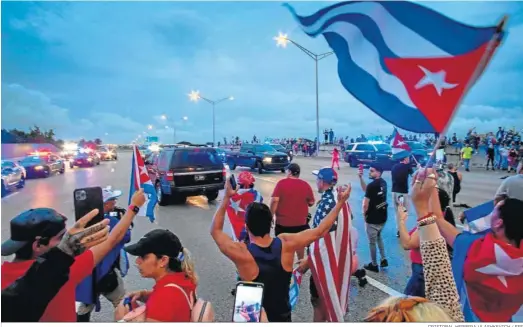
330 260
234 224
140 179
398 144
478 218
407 63
489 278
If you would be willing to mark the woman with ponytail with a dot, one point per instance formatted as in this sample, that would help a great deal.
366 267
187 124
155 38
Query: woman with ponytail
161 256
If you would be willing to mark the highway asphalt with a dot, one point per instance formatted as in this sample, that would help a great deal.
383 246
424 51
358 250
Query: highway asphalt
191 223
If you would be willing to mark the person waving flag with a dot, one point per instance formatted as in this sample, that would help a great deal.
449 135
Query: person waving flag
409 64
140 179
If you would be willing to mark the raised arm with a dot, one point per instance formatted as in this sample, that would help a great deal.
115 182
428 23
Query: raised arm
236 251
300 240
120 229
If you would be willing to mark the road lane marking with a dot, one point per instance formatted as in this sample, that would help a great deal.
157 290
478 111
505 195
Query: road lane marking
10 195
384 288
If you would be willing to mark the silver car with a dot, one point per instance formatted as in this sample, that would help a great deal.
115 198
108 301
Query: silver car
13 176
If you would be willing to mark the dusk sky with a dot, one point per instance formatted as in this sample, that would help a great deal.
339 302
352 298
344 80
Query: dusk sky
87 69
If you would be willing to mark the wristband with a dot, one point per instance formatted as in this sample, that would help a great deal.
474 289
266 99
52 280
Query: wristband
134 208
430 214
427 221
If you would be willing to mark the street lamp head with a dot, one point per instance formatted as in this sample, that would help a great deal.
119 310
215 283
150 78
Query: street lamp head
185 118
164 117
150 127
194 96
281 40
231 98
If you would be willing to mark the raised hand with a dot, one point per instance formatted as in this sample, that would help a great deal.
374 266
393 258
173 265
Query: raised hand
139 198
78 238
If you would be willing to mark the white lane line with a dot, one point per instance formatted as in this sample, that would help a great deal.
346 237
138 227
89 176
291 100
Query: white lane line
384 288
266 179
10 195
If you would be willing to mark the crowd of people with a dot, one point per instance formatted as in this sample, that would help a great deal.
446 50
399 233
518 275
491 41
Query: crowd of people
53 267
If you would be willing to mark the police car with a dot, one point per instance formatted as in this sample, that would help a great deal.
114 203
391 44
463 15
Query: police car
366 153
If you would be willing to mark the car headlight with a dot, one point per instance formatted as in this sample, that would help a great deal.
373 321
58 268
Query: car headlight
39 167
290 152
288 158
268 160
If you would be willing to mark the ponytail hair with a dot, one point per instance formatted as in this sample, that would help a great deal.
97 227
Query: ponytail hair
187 265
183 263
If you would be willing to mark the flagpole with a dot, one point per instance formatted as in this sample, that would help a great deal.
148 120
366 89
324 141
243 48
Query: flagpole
477 71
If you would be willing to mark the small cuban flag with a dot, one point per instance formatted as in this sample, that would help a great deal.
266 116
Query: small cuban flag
140 179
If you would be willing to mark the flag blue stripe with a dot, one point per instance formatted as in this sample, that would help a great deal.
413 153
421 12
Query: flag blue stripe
465 38
357 81
370 31
421 20
131 185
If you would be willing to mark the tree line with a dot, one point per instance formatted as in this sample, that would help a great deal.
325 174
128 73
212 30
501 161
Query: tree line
38 135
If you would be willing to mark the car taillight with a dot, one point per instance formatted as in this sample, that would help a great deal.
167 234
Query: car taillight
169 176
224 172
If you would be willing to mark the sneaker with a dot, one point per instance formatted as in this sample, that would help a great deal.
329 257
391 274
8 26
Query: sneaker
384 263
371 267
362 282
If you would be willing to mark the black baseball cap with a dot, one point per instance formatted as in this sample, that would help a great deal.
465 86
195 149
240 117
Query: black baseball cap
158 241
294 168
377 167
30 224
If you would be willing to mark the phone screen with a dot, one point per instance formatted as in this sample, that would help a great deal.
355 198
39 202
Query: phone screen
401 200
248 302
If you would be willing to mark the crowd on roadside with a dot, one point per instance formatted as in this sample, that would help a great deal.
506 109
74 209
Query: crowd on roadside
52 266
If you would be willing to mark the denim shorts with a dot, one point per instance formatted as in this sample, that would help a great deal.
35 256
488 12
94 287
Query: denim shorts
416 284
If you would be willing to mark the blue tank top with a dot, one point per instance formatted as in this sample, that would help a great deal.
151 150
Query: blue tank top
275 279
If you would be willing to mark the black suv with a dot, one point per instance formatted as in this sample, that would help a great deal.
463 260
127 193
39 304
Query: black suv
181 172
258 156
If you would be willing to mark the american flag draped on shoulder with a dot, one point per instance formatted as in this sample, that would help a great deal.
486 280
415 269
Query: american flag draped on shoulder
140 179
235 215
330 261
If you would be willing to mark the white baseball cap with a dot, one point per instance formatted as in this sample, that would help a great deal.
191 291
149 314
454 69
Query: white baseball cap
110 194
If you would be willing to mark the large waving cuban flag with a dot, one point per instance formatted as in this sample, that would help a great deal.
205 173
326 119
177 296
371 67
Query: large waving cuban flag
407 63
140 179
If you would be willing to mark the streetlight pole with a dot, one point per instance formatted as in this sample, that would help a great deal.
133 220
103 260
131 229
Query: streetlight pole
282 40
195 96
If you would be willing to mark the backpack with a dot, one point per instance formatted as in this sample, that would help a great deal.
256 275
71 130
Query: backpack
201 311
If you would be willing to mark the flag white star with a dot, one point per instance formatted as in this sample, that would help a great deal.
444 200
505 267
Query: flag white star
504 266
330 200
435 79
400 143
236 206
143 171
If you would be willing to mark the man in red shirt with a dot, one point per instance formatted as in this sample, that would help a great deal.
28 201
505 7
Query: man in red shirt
36 231
290 203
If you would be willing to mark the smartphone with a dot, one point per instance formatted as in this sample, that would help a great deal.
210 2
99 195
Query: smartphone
360 168
87 199
401 200
232 181
248 302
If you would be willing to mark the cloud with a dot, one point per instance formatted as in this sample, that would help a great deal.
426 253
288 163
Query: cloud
115 67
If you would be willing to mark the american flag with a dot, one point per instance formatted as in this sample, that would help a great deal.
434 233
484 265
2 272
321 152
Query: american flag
330 260
235 214
140 179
